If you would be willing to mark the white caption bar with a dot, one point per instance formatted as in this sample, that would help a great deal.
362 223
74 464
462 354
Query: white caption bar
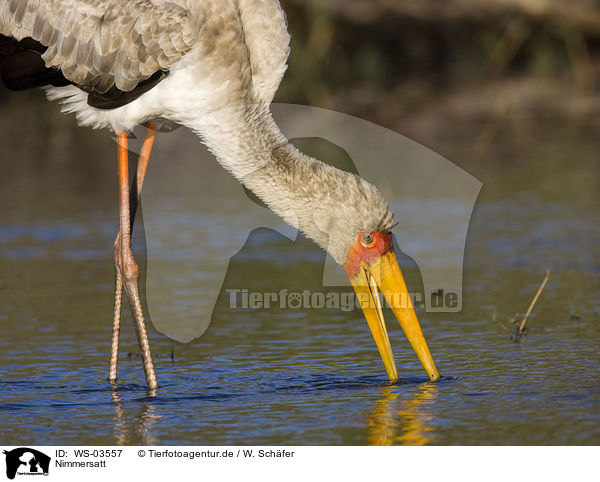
153 463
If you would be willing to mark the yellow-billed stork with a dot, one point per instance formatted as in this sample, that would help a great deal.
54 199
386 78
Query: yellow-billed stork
212 66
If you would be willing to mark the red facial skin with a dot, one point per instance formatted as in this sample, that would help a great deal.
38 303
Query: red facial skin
382 243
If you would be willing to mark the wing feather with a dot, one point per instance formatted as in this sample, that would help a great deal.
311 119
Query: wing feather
104 43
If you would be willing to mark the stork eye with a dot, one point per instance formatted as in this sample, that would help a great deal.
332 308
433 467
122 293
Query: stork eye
367 240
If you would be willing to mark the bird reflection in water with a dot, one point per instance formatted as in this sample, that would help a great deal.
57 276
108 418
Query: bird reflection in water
134 429
402 421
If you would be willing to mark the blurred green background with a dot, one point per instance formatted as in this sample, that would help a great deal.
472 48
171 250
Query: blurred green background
499 68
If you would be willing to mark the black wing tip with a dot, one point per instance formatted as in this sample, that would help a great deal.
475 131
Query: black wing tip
22 67
114 97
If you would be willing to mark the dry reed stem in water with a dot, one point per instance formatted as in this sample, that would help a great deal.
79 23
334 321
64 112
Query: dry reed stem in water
533 302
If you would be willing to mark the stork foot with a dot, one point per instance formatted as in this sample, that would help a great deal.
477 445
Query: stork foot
128 275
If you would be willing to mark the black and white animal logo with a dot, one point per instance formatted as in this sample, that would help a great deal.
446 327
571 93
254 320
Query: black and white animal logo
24 460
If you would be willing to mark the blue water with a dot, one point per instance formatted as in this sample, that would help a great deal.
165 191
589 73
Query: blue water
303 376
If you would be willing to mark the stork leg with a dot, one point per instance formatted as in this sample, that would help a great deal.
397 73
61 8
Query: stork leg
126 268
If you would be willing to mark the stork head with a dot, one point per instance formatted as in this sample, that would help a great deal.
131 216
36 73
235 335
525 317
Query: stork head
358 226
371 266
349 218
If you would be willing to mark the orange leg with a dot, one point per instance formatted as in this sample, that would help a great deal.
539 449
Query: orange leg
144 158
126 269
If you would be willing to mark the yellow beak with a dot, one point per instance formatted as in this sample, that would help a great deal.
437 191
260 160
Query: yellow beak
383 272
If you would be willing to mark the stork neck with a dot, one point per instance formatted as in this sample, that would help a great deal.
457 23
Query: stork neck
305 192
328 205
243 141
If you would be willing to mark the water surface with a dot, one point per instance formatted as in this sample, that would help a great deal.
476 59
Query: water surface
298 376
